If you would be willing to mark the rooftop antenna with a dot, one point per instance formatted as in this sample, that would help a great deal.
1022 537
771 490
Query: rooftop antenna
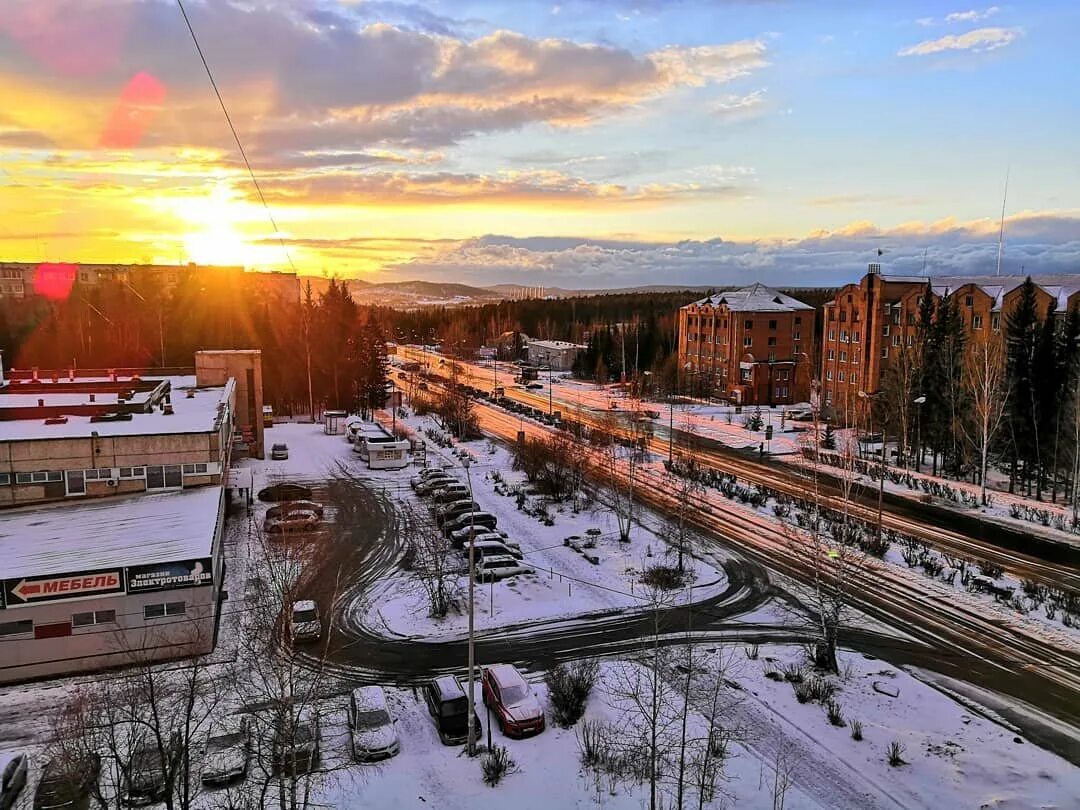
924 261
1001 229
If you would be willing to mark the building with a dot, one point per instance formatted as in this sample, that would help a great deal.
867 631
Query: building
244 366
870 324
752 346
107 582
558 355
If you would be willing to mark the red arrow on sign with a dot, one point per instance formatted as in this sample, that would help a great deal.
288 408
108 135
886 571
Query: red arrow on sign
62 587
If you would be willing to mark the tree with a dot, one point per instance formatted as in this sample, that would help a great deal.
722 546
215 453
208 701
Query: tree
1021 335
622 451
372 368
984 379
435 565
1047 369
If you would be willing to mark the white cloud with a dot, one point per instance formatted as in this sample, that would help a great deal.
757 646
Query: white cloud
971 16
979 40
925 22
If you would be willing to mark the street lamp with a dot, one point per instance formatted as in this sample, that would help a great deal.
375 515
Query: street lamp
471 744
881 477
918 431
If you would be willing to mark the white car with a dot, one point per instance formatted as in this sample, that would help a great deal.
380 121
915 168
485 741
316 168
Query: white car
460 538
306 624
486 548
372 728
434 482
300 520
500 566
289 507
228 749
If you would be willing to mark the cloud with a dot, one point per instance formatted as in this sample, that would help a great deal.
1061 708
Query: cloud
971 16
1037 242
733 106
977 41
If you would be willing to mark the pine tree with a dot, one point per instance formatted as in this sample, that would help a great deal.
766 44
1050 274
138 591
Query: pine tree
828 441
1046 369
1021 335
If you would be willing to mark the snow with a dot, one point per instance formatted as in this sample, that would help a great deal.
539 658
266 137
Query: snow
137 530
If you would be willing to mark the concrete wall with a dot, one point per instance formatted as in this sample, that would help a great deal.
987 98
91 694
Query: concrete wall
245 367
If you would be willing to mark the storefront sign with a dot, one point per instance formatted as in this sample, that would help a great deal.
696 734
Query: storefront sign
170 576
33 590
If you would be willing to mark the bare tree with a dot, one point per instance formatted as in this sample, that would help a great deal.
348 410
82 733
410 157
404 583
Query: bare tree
987 386
622 449
434 565
784 765
899 386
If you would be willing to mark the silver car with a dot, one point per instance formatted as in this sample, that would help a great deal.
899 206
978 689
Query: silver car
228 750
371 725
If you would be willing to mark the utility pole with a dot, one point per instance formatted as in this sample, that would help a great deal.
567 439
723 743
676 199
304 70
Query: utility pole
471 744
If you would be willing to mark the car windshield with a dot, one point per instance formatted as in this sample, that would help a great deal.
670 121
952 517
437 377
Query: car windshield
373 718
513 694
305 616
455 707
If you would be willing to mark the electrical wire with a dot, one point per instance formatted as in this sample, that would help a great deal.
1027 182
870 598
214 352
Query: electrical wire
236 136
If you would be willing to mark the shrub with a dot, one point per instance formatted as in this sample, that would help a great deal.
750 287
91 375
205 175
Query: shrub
753 650
856 730
832 711
895 753
496 764
593 741
989 568
569 686
664 577
802 691
821 690
793 673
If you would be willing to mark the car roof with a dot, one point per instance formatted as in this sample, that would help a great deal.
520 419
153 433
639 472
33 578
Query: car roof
448 687
370 698
506 675
500 558
304 604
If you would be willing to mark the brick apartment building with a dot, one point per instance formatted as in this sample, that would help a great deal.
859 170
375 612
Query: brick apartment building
752 346
870 323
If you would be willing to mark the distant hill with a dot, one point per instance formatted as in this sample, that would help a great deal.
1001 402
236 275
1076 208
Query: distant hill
517 290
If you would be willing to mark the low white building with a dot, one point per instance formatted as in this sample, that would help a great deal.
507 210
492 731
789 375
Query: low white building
559 355
107 582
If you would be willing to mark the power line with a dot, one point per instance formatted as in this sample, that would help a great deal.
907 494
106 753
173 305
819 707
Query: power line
236 136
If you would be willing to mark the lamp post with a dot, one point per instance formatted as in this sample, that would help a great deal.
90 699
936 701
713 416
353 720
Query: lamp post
918 431
551 395
881 473
471 744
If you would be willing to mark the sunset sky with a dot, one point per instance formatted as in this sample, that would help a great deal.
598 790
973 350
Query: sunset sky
584 143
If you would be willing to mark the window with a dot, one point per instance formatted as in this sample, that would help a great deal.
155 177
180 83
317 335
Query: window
896 340
885 330
854 377
840 376
885 352
976 321
16 628
168 477
772 341
783 374
795 335
910 340
748 341
93 617
167 609
38 477
995 321
843 316
911 319
5 479
24 478
777 393
854 337
798 320
843 336
748 324
843 357
832 334
772 325
828 374
772 357
832 354
896 317
99 475
969 300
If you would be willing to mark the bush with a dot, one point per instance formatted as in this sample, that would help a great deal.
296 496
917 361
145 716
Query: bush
593 742
569 686
664 577
856 730
751 652
832 711
821 690
895 752
802 692
793 673
496 764
988 568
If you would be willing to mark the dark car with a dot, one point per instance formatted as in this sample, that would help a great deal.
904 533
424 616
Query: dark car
451 510
509 695
296 749
145 779
470 519
68 782
12 779
449 707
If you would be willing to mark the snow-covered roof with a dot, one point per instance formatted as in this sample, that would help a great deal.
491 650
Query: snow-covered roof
755 298
556 344
195 414
505 674
370 698
108 532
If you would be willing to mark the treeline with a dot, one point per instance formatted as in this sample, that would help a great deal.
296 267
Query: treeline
977 400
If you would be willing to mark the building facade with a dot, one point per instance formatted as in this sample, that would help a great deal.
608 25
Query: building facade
869 325
558 355
751 346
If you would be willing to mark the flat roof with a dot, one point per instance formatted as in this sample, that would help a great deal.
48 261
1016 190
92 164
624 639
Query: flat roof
195 415
109 532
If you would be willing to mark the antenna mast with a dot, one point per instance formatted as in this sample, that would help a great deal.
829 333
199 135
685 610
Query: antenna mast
1001 229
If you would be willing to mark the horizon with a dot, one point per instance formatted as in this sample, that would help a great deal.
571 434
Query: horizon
590 144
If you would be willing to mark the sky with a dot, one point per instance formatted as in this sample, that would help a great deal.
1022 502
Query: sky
577 144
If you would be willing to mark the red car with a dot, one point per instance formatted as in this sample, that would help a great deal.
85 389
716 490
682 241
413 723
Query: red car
509 695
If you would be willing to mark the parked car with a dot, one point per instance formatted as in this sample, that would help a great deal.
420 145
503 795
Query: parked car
449 511
435 482
279 452
460 538
488 548
68 783
306 624
145 778
228 750
290 507
451 491
449 707
296 746
493 567
373 733
485 519
12 778
509 695
291 522
427 473
534 386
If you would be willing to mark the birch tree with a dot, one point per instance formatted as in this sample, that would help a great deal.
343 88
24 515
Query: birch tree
988 393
